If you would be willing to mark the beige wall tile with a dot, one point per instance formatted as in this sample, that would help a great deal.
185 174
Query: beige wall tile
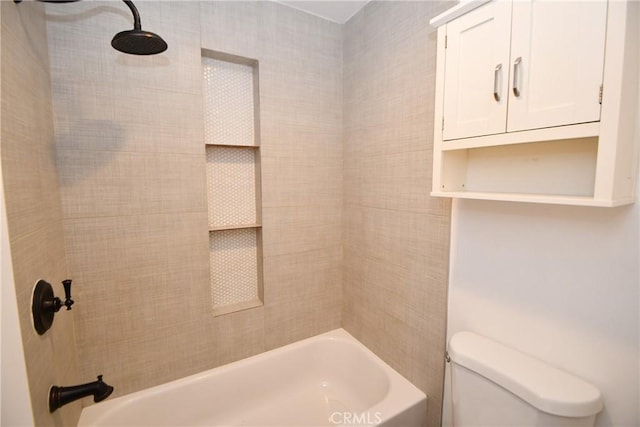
301 181
303 294
95 116
395 235
34 214
293 229
239 335
131 153
109 183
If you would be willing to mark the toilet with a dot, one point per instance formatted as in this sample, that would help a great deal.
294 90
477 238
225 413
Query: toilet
494 385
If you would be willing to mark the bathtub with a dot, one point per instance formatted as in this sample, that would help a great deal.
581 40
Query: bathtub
327 380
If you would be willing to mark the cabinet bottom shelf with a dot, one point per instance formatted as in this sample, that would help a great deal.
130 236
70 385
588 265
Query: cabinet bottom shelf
557 172
534 198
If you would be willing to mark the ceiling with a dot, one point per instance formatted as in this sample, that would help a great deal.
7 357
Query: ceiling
336 11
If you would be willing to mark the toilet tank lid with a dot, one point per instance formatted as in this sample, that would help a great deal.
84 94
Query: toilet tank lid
547 388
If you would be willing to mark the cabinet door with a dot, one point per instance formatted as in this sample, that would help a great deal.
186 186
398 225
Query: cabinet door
557 60
477 72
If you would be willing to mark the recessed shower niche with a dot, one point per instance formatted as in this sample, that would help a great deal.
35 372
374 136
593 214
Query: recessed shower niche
231 112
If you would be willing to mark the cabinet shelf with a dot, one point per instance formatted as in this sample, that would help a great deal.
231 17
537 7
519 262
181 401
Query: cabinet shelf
582 130
533 198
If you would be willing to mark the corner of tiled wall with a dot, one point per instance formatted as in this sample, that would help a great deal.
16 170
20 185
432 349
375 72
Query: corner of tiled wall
395 234
34 214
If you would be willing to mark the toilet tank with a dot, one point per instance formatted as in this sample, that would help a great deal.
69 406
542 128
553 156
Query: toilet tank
494 385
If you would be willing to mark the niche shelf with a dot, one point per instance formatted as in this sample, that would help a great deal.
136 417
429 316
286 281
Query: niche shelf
232 149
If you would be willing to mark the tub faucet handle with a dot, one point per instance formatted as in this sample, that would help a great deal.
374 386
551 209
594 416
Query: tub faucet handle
68 302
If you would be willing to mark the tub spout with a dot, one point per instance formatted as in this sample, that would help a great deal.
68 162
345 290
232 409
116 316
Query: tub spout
60 396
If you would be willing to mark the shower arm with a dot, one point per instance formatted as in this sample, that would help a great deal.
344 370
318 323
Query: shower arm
134 9
136 15
134 42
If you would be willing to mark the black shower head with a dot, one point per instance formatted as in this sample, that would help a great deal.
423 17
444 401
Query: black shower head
137 41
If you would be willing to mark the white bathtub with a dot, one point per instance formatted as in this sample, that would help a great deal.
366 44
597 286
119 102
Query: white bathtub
330 379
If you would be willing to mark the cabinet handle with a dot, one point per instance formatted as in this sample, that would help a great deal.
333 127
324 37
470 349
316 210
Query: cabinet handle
496 74
516 75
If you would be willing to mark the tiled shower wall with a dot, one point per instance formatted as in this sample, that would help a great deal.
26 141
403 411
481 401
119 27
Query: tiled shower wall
395 235
131 157
34 214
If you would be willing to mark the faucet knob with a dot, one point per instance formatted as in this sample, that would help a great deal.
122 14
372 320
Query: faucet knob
68 302
44 304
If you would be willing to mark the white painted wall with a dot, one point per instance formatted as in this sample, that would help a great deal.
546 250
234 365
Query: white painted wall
561 283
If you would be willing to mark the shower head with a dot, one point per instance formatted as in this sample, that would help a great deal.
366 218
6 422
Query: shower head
138 41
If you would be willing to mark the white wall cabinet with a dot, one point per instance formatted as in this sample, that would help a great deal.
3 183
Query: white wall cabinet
476 72
557 56
538 101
